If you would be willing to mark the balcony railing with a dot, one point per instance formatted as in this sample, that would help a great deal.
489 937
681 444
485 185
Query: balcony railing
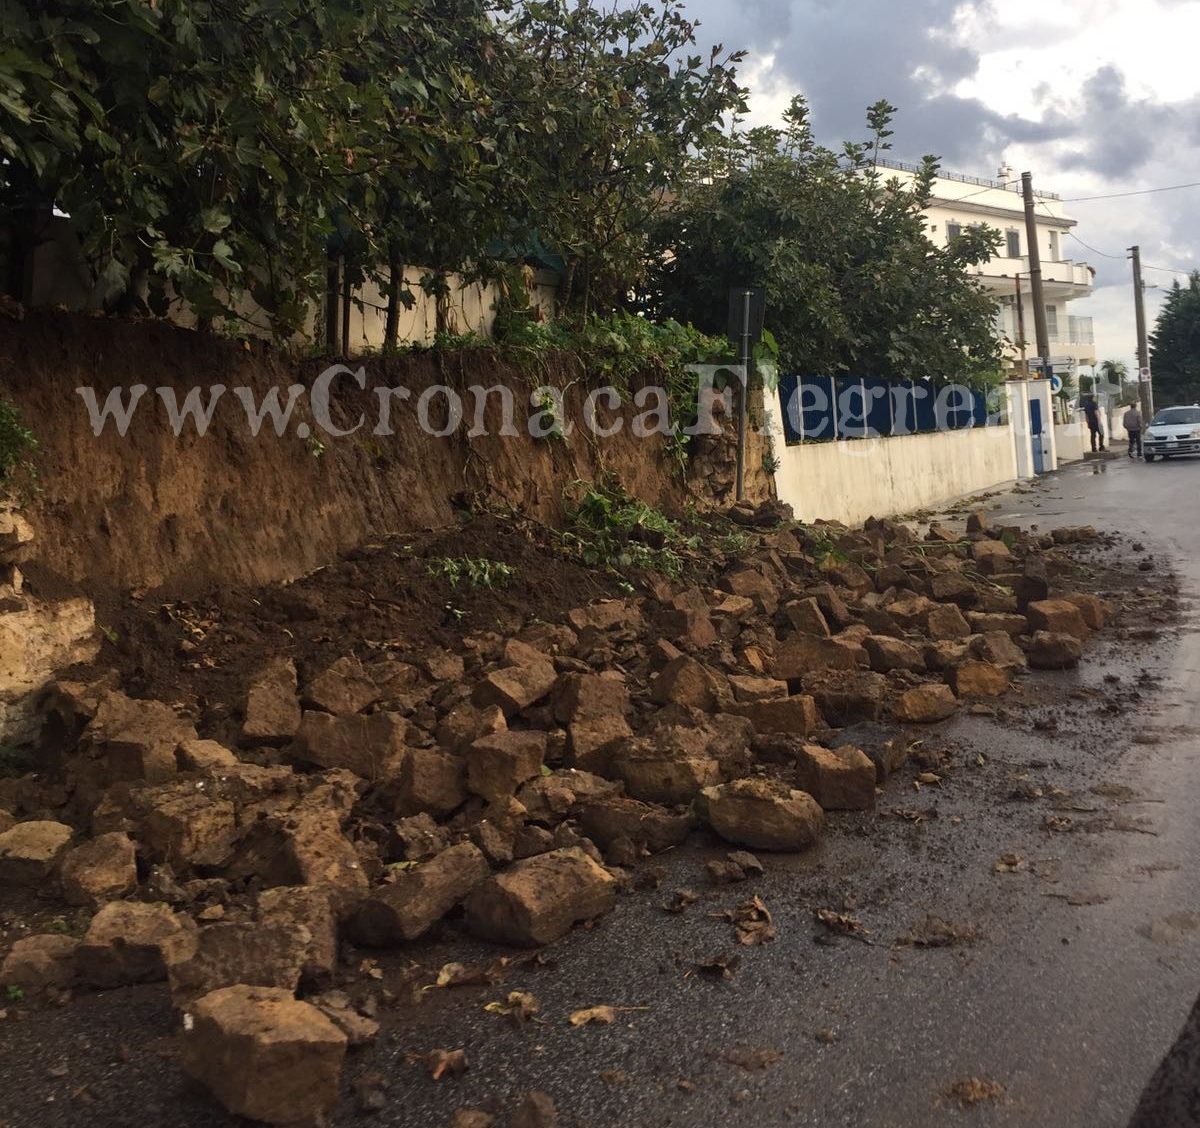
962 178
1079 331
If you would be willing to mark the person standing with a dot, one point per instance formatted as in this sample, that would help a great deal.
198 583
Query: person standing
1091 412
1132 422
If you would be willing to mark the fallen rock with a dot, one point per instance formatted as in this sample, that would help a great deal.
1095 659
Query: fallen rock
30 851
311 908
1093 609
537 900
497 765
887 654
593 708
466 723
102 869
418 898
653 777
845 697
263 1054
806 617
342 688
1057 616
38 963
181 823
999 648
205 756
272 706
839 779
979 679
606 820
369 746
255 953
762 814
125 943
925 704
1049 650
137 739
946 621
431 780
684 681
752 584
798 714
747 688
513 688
988 622
801 654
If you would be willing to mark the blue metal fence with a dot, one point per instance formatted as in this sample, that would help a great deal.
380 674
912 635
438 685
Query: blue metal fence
817 408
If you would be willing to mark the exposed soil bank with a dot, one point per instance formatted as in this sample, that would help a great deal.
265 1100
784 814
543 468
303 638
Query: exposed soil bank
151 509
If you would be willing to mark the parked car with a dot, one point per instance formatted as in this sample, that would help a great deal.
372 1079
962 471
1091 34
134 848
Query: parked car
1173 430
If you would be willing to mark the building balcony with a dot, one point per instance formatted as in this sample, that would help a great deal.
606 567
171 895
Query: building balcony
1061 280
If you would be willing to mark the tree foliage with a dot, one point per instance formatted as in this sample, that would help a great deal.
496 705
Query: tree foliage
229 146
852 281
1175 345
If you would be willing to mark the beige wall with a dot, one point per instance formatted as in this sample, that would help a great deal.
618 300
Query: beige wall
850 481
60 278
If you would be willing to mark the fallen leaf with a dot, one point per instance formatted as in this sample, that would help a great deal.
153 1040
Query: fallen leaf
520 1006
1009 863
973 1091
682 898
721 966
603 1016
443 1062
843 924
614 1076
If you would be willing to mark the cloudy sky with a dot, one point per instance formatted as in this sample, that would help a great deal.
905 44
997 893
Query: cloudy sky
1092 96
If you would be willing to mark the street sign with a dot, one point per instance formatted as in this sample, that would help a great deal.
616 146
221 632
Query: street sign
1144 375
1055 383
746 318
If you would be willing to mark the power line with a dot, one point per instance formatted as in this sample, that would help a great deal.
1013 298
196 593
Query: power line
1138 192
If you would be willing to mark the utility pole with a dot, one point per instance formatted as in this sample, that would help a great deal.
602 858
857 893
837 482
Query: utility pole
1021 328
1035 274
1145 392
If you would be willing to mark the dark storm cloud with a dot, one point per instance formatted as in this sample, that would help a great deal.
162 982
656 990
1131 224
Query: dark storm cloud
844 56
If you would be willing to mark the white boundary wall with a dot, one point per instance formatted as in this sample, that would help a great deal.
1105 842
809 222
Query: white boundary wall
859 478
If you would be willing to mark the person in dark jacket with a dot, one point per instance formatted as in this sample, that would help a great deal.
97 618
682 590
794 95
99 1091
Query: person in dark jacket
1132 422
1091 412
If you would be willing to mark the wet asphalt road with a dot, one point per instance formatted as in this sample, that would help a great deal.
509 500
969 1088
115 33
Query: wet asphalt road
1084 964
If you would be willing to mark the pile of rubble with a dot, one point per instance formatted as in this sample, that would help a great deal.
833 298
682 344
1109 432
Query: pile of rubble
513 783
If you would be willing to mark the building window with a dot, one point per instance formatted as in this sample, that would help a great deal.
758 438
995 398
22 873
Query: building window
1054 255
953 231
1013 238
1052 321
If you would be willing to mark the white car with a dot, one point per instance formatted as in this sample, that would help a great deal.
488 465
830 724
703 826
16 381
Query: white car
1173 430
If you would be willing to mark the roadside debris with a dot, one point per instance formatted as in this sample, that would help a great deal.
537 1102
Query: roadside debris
360 786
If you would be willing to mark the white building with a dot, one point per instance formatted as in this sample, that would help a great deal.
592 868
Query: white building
959 201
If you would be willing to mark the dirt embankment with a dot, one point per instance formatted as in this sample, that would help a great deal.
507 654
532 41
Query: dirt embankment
154 509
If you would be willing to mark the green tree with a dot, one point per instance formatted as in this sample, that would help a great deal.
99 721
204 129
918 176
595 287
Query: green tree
852 281
623 106
1175 345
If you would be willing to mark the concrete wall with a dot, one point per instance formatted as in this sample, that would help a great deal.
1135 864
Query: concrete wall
852 480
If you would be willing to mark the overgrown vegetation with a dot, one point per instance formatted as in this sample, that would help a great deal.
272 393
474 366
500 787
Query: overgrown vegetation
478 571
17 444
607 528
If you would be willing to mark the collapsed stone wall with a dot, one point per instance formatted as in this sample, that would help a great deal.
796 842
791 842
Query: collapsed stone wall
37 636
